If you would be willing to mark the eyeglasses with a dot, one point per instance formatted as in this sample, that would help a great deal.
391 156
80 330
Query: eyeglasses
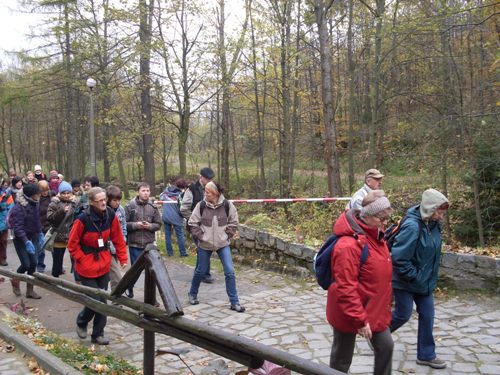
383 218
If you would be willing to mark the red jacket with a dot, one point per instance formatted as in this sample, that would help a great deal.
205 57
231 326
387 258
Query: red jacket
87 234
359 295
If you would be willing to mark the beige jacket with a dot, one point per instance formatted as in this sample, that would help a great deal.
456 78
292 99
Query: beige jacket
214 229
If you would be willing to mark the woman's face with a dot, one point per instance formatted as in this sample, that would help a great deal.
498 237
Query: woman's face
211 197
438 215
99 202
378 221
19 185
65 196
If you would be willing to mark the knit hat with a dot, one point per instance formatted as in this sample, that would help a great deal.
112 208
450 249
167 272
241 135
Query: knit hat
431 201
75 183
53 173
207 173
38 169
64 187
375 207
31 189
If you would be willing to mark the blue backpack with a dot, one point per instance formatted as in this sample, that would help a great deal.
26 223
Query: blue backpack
323 265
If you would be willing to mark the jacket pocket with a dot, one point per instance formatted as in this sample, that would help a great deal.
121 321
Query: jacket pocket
206 222
222 221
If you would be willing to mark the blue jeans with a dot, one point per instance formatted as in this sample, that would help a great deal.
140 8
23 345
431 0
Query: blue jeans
28 261
202 267
207 274
40 257
426 348
134 254
179 233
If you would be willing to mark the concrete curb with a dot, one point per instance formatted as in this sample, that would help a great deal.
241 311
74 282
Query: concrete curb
46 360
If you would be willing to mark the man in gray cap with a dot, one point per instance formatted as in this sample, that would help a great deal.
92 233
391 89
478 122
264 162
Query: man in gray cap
192 196
373 181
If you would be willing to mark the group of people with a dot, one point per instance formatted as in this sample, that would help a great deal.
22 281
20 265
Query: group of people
360 300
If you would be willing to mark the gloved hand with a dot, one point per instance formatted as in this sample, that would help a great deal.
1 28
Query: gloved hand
41 239
30 248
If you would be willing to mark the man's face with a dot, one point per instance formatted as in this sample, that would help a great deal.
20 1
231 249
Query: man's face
204 180
144 193
99 202
374 183
76 189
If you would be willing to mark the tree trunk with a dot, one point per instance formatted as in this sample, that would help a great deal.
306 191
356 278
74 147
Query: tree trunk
352 99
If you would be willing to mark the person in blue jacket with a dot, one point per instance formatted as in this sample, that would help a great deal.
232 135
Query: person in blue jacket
172 217
416 254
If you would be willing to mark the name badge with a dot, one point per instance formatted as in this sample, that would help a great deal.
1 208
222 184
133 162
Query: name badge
100 242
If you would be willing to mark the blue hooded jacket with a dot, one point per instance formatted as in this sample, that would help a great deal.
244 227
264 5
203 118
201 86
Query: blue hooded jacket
415 259
171 214
6 203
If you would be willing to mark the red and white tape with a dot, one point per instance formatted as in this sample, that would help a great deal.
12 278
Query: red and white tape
275 200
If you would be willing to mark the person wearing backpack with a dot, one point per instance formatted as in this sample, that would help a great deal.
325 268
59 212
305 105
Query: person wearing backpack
416 254
213 223
89 245
359 300
172 217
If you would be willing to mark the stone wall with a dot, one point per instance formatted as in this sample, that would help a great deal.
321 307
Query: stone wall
263 250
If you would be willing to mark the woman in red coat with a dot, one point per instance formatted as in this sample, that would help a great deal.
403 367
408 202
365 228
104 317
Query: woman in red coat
88 244
359 301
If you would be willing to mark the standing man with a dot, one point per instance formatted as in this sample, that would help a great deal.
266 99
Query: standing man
416 254
373 181
143 220
192 196
39 175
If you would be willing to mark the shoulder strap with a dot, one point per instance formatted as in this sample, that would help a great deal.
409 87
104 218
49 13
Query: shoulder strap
203 204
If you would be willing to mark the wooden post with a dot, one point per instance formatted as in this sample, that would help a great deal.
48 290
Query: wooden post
148 364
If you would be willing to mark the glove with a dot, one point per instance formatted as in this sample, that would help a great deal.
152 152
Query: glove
30 248
41 239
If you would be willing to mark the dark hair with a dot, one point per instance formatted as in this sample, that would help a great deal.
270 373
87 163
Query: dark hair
181 183
94 180
113 192
15 180
75 183
141 185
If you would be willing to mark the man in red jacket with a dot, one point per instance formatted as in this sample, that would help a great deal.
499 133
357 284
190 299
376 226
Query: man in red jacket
88 244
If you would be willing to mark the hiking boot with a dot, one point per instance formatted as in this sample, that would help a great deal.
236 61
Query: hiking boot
99 340
16 287
434 363
129 293
238 308
30 293
3 263
192 299
208 279
81 332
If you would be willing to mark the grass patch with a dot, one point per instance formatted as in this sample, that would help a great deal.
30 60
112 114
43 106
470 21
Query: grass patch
83 358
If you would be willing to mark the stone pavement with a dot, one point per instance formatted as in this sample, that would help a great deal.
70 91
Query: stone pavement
13 363
289 314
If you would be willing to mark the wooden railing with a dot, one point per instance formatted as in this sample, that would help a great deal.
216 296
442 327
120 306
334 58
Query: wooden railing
169 321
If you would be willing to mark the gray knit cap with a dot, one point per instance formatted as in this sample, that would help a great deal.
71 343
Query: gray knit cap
375 207
431 200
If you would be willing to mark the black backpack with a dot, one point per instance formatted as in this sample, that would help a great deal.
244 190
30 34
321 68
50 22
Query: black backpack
203 204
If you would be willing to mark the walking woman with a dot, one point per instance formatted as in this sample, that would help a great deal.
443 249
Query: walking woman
88 244
25 220
63 204
359 301
213 222
416 255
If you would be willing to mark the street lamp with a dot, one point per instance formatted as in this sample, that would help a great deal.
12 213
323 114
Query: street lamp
91 84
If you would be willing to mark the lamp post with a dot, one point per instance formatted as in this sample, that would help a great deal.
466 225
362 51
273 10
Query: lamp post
91 84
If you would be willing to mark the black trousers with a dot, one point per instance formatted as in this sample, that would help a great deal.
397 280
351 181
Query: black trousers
343 349
86 315
57 261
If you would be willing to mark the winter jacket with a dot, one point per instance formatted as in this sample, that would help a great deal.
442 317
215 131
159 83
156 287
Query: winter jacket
357 198
56 214
214 228
135 211
44 205
25 218
192 196
415 258
6 203
171 214
90 260
363 294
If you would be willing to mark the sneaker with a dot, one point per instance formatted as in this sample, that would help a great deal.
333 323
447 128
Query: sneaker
99 340
434 363
238 308
192 299
208 279
81 332
129 293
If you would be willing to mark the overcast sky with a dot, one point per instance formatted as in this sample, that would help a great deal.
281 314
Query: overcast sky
14 26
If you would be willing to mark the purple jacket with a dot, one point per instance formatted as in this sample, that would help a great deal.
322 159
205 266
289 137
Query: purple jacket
25 218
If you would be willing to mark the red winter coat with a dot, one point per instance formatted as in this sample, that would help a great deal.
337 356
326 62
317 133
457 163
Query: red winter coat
85 233
359 296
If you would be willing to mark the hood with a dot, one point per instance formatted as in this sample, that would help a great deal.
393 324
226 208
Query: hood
172 192
219 202
431 200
